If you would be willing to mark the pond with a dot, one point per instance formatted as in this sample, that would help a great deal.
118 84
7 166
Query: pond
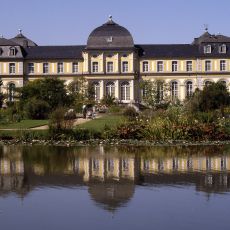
122 187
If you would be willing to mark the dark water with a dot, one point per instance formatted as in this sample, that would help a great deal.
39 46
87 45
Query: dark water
114 188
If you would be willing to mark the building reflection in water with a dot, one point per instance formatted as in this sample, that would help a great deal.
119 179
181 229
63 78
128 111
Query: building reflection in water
112 173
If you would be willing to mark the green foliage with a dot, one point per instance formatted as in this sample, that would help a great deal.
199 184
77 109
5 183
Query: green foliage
36 109
130 113
213 96
115 109
99 123
57 118
1 94
11 114
60 121
108 100
155 93
81 93
50 90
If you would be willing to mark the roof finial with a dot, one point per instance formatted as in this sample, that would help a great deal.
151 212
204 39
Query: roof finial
20 31
206 27
110 18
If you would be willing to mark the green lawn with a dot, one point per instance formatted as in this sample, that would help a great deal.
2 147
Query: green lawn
24 124
98 124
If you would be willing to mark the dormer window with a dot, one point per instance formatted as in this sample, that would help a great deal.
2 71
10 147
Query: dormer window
13 51
207 49
109 39
222 49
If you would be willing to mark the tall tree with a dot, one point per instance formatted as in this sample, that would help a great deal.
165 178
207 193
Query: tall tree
50 90
155 93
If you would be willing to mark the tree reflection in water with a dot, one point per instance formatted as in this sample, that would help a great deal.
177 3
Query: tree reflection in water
111 173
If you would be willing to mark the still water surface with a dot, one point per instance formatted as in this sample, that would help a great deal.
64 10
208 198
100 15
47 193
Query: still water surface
45 187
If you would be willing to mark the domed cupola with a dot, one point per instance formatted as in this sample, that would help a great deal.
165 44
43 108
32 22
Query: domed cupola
22 40
110 35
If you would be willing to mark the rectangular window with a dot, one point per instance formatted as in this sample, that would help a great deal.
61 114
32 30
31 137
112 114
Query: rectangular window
125 67
60 67
222 49
207 65
12 51
222 65
45 67
174 66
109 67
189 66
95 67
207 49
75 67
30 67
145 66
12 68
160 66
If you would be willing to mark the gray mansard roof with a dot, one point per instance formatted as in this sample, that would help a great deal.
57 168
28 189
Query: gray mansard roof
54 52
168 51
22 40
211 38
7 42
110 35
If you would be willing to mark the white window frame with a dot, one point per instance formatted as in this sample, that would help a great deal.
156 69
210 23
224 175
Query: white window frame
12 51
125 67
109 67
97 89
110 89
125 91
145 66
60 67
75 67
174 90
95 67
189 66
222 49
208 68
223 65
174 66
207 49
45 68
30 67
12 68
160 66
189 88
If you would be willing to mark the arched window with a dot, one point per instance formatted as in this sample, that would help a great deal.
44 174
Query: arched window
125 91
189 88
110 89
96 88
11 92
160 91
207 83
223 82
174 90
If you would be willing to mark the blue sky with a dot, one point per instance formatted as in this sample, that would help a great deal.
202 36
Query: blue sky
69 22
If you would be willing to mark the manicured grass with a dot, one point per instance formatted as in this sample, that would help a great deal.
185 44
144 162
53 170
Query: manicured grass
98 124
24 124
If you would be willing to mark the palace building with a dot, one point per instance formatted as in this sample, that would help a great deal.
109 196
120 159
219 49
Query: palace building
115 65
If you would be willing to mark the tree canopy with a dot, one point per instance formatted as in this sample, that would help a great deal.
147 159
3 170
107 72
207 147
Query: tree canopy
213 96
50 90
